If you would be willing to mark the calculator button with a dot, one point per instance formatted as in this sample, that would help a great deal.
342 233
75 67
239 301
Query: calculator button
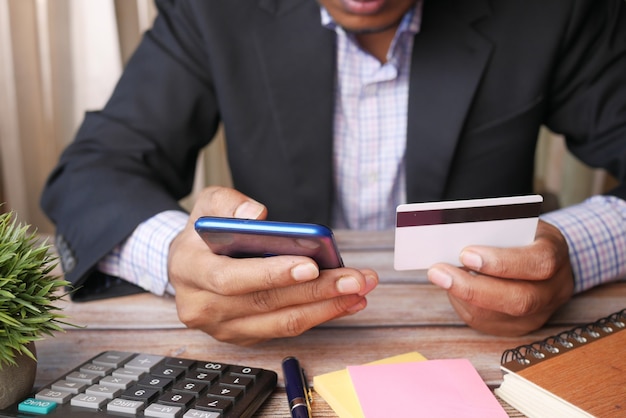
128 373
203 377
155 382
162 411
244 371
137 393
36 406
225 392
71 387
83 377
113 359
192 388
143 362
164 370
106 391
96 369
125 406
213 404
177 399
232 380
89 401
181 363
212 367
117 382
58 396
195 413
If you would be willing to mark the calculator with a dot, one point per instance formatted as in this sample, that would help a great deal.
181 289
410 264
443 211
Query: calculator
129 384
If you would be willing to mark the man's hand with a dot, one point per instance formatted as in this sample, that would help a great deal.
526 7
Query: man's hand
510 291
246 301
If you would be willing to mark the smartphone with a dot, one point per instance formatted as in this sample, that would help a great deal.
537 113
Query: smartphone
256 238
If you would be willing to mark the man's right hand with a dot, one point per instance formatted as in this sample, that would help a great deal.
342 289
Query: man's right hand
246 301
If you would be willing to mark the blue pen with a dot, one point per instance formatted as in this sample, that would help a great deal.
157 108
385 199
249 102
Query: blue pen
298 393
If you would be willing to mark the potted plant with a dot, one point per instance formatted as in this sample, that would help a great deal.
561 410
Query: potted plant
28 292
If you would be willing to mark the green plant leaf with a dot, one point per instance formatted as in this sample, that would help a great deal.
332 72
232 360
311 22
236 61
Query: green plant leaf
28 289
9 320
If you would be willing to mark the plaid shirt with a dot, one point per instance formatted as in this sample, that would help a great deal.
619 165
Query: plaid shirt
371 104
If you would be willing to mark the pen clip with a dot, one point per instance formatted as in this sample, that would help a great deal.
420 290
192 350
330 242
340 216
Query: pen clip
307 388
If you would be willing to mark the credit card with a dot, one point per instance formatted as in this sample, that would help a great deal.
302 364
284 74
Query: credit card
434 232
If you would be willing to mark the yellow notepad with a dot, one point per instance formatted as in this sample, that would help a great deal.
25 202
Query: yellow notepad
336 387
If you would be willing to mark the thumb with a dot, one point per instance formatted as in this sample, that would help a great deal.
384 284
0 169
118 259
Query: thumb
227 203
249 209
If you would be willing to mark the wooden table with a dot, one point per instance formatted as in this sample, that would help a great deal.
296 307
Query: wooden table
405 313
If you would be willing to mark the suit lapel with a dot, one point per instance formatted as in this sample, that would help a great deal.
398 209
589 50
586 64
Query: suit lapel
449 58
298 60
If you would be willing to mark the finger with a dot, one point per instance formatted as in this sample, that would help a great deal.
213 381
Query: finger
511 297
491 305
237 276
207 311
330 285
226 202
286 322
538 261
497 323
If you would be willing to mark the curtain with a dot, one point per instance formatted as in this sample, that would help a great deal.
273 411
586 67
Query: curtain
59 58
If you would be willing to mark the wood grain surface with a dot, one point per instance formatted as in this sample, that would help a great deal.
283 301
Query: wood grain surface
405 313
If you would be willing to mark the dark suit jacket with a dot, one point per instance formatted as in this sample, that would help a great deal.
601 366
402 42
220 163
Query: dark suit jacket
484 76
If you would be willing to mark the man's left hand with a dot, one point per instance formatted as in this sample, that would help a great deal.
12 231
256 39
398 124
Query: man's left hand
509 291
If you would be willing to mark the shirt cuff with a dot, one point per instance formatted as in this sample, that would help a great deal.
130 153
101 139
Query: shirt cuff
595 233
142 258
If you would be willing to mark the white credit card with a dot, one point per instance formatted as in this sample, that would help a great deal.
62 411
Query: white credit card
434 232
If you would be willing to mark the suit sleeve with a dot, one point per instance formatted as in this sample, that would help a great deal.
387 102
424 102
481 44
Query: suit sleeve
137 156
587 100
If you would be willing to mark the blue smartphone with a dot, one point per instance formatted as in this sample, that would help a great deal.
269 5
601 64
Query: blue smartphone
256 238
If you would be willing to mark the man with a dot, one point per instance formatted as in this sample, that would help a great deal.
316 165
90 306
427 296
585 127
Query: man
335 112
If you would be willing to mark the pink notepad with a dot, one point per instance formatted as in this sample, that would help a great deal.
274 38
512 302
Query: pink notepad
441 388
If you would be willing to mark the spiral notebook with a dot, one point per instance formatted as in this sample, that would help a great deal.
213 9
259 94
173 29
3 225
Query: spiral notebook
580 372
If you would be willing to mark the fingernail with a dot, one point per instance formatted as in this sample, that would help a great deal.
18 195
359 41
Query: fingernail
248 210
348 285
440 278
358 307
471 260
370 284
306 271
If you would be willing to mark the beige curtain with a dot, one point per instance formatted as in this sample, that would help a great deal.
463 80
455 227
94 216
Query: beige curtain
59 58
564 178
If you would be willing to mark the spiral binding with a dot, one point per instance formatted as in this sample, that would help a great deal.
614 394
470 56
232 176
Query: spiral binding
526 355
